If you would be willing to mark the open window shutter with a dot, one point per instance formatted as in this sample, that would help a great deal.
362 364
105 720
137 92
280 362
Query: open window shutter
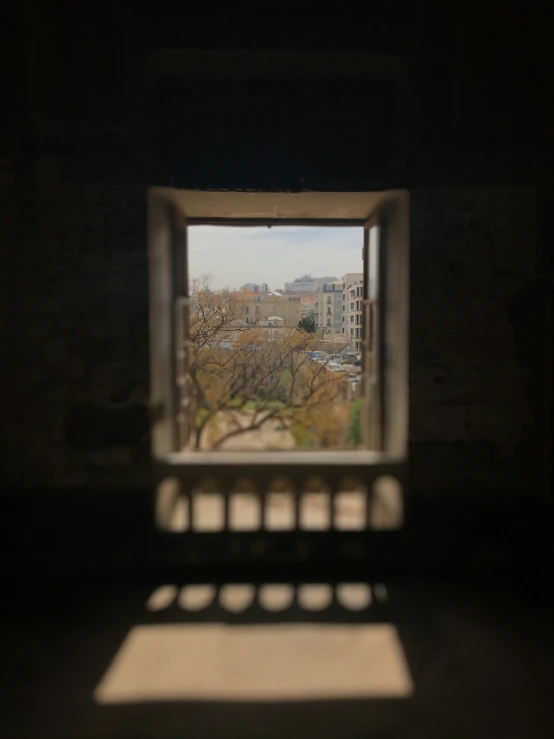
372 344
394 298
181 342
168 288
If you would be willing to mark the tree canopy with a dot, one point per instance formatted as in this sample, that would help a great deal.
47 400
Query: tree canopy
243 377
307 324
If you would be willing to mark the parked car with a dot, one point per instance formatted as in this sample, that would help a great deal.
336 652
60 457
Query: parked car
353 377
357 363
318 356
349 358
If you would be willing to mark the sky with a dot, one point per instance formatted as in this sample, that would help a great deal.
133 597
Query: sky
231 256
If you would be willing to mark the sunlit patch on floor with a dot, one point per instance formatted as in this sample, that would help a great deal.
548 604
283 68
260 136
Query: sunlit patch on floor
162 598
196 597
276 597
354 596
292 662
237 597
315 597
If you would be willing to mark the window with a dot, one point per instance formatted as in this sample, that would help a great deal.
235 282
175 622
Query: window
247 310
328 311
179 471
351 306
328 321
328 299
351 319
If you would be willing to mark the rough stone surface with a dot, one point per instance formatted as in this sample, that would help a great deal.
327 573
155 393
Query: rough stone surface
75 367
472 426
75 334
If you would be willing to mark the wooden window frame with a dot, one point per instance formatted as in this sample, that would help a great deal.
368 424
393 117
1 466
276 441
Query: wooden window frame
176 469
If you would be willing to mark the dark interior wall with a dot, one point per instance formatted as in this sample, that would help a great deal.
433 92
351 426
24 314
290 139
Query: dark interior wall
75 374
75 336
93 123
476 425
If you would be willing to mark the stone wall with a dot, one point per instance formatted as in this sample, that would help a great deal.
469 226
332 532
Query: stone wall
74 335
74 327
474 428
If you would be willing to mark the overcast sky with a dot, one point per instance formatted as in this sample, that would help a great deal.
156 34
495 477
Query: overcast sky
231 256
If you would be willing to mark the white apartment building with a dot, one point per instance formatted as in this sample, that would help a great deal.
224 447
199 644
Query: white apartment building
352 309
328 307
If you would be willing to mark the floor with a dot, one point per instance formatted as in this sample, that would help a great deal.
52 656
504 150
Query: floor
420 660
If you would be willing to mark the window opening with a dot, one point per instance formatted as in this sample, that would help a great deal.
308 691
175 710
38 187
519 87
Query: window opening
379 349
286 377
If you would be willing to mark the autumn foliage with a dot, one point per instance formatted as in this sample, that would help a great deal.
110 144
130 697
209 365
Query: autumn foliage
244 376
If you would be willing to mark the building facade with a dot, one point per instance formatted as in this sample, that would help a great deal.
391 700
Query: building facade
260 309
352 299
252 287
306 284
328 307
308 305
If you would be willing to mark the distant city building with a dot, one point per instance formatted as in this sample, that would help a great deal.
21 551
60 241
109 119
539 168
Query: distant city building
328 307
252 287
308 305
306 284
260 308
352 309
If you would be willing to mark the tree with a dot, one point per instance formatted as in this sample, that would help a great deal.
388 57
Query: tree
307 324
354 436
243 377
322 426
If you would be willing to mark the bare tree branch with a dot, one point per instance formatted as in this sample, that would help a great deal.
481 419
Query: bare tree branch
237 368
